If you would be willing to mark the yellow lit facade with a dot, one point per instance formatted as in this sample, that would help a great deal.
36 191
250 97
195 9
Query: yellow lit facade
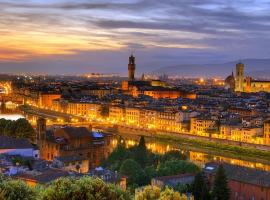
246 134
202 126
266 132
116 114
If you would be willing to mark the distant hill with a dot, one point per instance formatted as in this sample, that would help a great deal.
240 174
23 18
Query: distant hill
259 68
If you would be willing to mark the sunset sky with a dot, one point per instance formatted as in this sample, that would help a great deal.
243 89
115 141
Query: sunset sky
62 36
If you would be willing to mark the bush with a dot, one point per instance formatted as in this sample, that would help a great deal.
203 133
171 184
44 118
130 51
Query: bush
86 188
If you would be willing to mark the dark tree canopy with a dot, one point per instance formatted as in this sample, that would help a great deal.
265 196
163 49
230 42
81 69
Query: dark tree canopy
221 190
133 171
200 189
20 128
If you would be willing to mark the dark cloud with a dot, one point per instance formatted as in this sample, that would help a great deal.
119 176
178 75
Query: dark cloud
227 29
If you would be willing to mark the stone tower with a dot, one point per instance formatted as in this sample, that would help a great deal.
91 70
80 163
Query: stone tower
41 128
239 79
131 68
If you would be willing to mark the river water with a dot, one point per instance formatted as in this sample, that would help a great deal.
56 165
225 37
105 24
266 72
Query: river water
196 155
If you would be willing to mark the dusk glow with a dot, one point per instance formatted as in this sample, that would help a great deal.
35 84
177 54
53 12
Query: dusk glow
97 35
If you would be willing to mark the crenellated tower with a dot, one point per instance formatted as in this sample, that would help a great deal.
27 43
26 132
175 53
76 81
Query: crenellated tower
131 68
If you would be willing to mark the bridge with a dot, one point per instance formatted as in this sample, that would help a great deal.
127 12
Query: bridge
5 87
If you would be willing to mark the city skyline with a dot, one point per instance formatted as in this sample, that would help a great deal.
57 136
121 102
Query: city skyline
64 37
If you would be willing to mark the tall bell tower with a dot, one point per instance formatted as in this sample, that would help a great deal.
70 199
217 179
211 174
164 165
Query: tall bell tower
239 79
131 68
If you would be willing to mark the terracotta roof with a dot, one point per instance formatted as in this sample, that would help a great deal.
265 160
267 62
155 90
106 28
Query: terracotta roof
75 132
14 143
242 174
43 177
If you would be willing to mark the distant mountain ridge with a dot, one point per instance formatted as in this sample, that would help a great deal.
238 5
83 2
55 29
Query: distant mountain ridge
257 68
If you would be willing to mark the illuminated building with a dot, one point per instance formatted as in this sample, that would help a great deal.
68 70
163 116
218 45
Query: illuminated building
245 84
230 82
45 100
131 68
266 132
246 134
116 113
154 88
87 109
77 108
202 125
239 82
70 141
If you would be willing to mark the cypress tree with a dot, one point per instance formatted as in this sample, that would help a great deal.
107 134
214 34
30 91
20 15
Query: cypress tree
221 190
200 189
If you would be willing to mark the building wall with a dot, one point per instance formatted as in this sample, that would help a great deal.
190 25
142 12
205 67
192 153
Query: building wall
241 191
22 152
266 133
201 126
46 100
158 94
72 166
245 134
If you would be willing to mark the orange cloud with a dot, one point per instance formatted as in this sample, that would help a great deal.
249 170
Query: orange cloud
24 45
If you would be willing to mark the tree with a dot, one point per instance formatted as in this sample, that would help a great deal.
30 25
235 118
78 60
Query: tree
148 193
175 167
140 153
199 188
221 190
117 157
15 189
20 128
86 188
134 172
24 129
154 193
173 155
169 194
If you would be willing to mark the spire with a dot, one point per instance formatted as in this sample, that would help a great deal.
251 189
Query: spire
232 73
143 78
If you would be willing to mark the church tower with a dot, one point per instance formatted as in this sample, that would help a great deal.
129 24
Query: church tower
239 79
41 128
131 68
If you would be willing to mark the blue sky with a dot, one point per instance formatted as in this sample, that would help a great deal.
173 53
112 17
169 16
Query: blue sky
61 36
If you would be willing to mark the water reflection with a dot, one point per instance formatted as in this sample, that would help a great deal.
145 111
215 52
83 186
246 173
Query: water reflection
200 158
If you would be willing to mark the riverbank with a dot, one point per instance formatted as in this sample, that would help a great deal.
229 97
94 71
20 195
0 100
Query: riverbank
208 145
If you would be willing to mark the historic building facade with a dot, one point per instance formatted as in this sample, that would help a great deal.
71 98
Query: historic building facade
240 83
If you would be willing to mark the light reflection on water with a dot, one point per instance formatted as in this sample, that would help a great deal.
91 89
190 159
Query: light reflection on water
199 158
11 116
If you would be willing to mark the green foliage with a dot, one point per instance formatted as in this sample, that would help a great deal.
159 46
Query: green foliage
175 167
140 153
19 129
117 157
240 150
148 193
148 164
85 188
154 193
221 190
200 189
15 189
169 194
134 172
183 188
2 194
173 155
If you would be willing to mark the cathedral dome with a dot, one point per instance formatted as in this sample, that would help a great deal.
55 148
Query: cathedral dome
230 82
